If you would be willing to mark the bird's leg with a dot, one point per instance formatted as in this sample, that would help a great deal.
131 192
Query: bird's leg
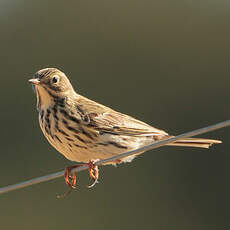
70 179
93 172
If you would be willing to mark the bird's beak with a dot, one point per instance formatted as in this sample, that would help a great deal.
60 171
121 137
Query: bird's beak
34 81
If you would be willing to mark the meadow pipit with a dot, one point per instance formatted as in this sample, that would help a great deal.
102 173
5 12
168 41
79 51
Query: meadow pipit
85 131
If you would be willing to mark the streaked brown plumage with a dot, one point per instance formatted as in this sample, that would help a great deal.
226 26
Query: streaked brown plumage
84 130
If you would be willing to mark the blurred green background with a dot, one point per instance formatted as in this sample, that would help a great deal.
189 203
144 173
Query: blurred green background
164 62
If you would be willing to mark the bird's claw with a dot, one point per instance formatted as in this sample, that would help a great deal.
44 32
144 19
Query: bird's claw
93 172
71 177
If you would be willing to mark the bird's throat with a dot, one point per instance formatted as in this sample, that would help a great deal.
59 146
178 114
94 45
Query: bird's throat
44 100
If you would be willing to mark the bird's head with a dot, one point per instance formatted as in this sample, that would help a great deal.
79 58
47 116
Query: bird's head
52 80
50 83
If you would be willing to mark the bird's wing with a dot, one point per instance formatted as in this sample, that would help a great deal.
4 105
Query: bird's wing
117 123
106 120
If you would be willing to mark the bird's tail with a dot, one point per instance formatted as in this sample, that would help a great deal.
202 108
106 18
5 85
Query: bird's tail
195 142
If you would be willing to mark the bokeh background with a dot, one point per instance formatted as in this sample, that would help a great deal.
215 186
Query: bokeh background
164 62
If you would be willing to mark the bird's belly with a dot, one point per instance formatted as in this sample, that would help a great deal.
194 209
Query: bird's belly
75 151
68 145
80 145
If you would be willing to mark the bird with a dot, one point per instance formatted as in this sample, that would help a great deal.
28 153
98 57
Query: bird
85 131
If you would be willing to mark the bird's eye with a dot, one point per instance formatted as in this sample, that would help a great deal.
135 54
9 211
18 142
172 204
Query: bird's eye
55 79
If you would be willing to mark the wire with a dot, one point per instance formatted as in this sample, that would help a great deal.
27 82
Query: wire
129 153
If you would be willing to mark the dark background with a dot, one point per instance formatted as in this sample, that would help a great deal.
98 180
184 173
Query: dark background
164 62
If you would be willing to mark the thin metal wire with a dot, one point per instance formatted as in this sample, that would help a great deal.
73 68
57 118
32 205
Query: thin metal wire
129 153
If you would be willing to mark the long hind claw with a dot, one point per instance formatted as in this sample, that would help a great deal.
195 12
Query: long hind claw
70 180
71 177
93 173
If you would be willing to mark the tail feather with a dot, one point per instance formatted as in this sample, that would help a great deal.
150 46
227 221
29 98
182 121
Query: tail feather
195 142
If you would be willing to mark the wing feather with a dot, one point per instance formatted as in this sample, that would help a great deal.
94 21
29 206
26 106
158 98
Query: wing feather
106 120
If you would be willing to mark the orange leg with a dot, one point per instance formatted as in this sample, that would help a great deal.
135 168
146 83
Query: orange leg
71 179
93 172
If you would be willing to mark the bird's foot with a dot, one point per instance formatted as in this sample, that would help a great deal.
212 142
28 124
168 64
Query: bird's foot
71 177
93 172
